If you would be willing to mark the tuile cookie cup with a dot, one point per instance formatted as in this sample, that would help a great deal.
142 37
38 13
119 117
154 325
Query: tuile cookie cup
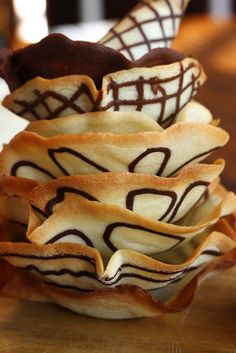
52 268
42 98
151 24
99 283
118 219
155 153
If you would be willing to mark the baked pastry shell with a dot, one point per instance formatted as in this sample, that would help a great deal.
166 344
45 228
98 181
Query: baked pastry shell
53 272
120 302
160 92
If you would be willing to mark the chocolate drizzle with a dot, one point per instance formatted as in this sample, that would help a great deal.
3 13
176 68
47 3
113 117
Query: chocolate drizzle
63 103
62 272
111 227
165 151
130 199
172 14
112 281
186 193
74 232
15 168
161 97
108 281
53 152
49 257
108 234
118 276
192 160
39 211
164 40
115 280
171 211
33 109
131 167
131 275
60 197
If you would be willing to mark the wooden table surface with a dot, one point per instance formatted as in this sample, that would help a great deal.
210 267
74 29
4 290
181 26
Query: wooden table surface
209 326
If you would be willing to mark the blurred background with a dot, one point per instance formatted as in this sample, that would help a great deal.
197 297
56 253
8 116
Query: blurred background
25 21
208 33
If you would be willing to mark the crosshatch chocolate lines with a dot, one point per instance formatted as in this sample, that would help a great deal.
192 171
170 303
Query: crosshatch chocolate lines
109 281
156 86
139 25
139 102
30 107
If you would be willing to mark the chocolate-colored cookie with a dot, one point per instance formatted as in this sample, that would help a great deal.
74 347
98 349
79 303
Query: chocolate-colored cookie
160 91
58 56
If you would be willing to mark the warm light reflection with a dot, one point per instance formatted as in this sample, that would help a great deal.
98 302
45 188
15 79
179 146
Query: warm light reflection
32 22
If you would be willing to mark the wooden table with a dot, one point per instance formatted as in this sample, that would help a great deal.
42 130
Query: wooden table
209 326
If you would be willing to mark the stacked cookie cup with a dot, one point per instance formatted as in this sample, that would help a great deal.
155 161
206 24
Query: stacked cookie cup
107 207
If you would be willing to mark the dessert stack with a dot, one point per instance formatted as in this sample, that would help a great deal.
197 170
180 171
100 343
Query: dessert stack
107 206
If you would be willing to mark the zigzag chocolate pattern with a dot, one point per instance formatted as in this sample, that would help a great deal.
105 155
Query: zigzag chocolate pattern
41 98
164 115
